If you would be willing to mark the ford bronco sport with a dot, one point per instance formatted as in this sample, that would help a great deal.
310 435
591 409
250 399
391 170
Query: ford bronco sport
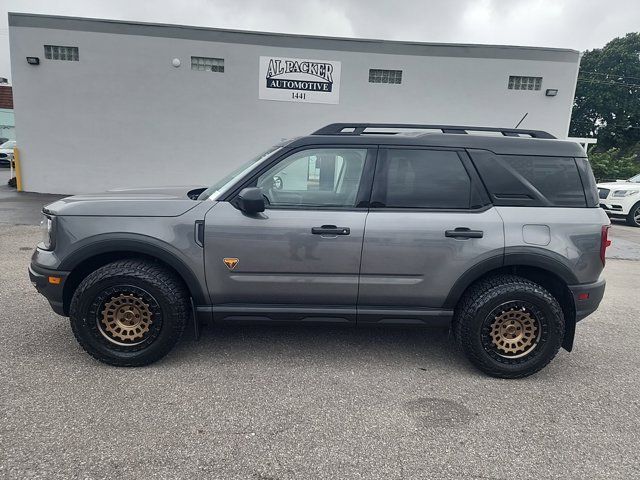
495 233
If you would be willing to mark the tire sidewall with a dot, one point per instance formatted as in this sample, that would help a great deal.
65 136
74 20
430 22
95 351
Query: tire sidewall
548 343
83 319
631 219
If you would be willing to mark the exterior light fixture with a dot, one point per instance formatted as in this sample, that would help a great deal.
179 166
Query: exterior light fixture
175 62
551 92
33 60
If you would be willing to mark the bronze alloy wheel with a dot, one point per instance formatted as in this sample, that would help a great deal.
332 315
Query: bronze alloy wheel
514 330
509 326
125 319
130 312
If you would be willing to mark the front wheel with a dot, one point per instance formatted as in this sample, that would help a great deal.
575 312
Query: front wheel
508 326
129 313
633 218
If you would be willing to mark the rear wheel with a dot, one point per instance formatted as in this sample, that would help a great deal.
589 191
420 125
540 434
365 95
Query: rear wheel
129 313
633 218
509 327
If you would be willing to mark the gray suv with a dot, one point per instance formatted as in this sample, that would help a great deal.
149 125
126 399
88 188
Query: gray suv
495 233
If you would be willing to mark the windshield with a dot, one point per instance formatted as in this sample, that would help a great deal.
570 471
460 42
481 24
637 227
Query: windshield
222 185
635 179
9 144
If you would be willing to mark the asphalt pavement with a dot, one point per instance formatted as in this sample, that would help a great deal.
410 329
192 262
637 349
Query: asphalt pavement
22 208
271 403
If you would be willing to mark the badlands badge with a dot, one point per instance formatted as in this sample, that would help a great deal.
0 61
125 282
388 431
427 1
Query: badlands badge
230 262
299 80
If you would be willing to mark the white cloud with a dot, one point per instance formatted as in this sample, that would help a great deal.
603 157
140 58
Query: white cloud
578 24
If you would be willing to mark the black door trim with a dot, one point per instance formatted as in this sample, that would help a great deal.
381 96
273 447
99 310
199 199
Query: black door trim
327 314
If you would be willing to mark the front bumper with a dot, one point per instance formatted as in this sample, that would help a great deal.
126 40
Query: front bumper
41 278
587 297
615 208
613 213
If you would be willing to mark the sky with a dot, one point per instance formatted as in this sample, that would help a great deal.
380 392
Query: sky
577 24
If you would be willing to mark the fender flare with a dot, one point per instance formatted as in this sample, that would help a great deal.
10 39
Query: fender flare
135 243
519 256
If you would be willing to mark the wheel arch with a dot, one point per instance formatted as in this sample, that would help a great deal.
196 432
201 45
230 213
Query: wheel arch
631 210
545 271
94 255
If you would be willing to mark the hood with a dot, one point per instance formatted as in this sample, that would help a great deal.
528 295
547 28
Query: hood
140 202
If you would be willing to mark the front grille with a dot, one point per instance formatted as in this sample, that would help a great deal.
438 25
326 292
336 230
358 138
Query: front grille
603 192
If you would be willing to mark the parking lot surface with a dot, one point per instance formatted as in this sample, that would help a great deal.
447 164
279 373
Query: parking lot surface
20 208
314 402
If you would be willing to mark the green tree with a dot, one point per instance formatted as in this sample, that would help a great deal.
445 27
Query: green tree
611 165
607 101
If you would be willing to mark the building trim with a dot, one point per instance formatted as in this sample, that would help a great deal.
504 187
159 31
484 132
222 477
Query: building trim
271 39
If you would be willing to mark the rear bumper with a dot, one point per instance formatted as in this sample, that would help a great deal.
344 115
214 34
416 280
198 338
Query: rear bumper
587 297
52 292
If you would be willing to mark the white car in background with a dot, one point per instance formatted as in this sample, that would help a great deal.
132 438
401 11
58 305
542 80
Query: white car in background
621 199
6 153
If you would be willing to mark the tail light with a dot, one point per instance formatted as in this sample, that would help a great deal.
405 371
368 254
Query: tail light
604 242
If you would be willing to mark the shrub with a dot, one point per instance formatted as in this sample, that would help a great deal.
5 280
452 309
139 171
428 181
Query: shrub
611 165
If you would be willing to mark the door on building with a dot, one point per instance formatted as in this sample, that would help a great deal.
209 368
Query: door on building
300 259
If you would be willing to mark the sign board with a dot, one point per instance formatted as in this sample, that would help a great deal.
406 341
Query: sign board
299 80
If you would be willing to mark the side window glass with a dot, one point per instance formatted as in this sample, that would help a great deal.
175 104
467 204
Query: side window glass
318 177
422 179
532 180
556 178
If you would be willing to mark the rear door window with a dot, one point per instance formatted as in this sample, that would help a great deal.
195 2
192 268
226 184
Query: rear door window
420 178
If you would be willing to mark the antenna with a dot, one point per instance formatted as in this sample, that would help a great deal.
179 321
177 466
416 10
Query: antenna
521 120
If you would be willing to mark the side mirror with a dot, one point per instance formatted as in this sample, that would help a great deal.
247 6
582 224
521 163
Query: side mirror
250 200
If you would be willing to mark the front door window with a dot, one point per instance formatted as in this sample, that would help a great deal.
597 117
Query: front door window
324 177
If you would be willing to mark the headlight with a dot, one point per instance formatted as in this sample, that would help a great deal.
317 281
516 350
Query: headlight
624 193
47 226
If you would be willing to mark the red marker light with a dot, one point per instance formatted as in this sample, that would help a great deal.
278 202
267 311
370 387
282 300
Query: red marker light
583 296
604 242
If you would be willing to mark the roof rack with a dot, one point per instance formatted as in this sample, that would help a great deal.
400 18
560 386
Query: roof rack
360 129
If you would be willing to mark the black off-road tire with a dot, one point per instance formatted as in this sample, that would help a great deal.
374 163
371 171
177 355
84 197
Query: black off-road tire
476 308
634 215
159 287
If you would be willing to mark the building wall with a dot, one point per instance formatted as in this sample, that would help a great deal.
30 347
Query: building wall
123 116
7 127
7 122
6 97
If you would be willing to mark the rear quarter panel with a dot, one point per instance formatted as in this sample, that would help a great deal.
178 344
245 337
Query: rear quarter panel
570 236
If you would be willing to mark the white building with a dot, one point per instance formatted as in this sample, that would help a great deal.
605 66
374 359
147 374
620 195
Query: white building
104 104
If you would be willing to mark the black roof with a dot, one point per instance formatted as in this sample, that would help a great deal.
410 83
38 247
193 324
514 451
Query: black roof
502 141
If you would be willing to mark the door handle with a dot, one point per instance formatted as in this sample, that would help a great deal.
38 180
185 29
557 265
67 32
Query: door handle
330 230
464 232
